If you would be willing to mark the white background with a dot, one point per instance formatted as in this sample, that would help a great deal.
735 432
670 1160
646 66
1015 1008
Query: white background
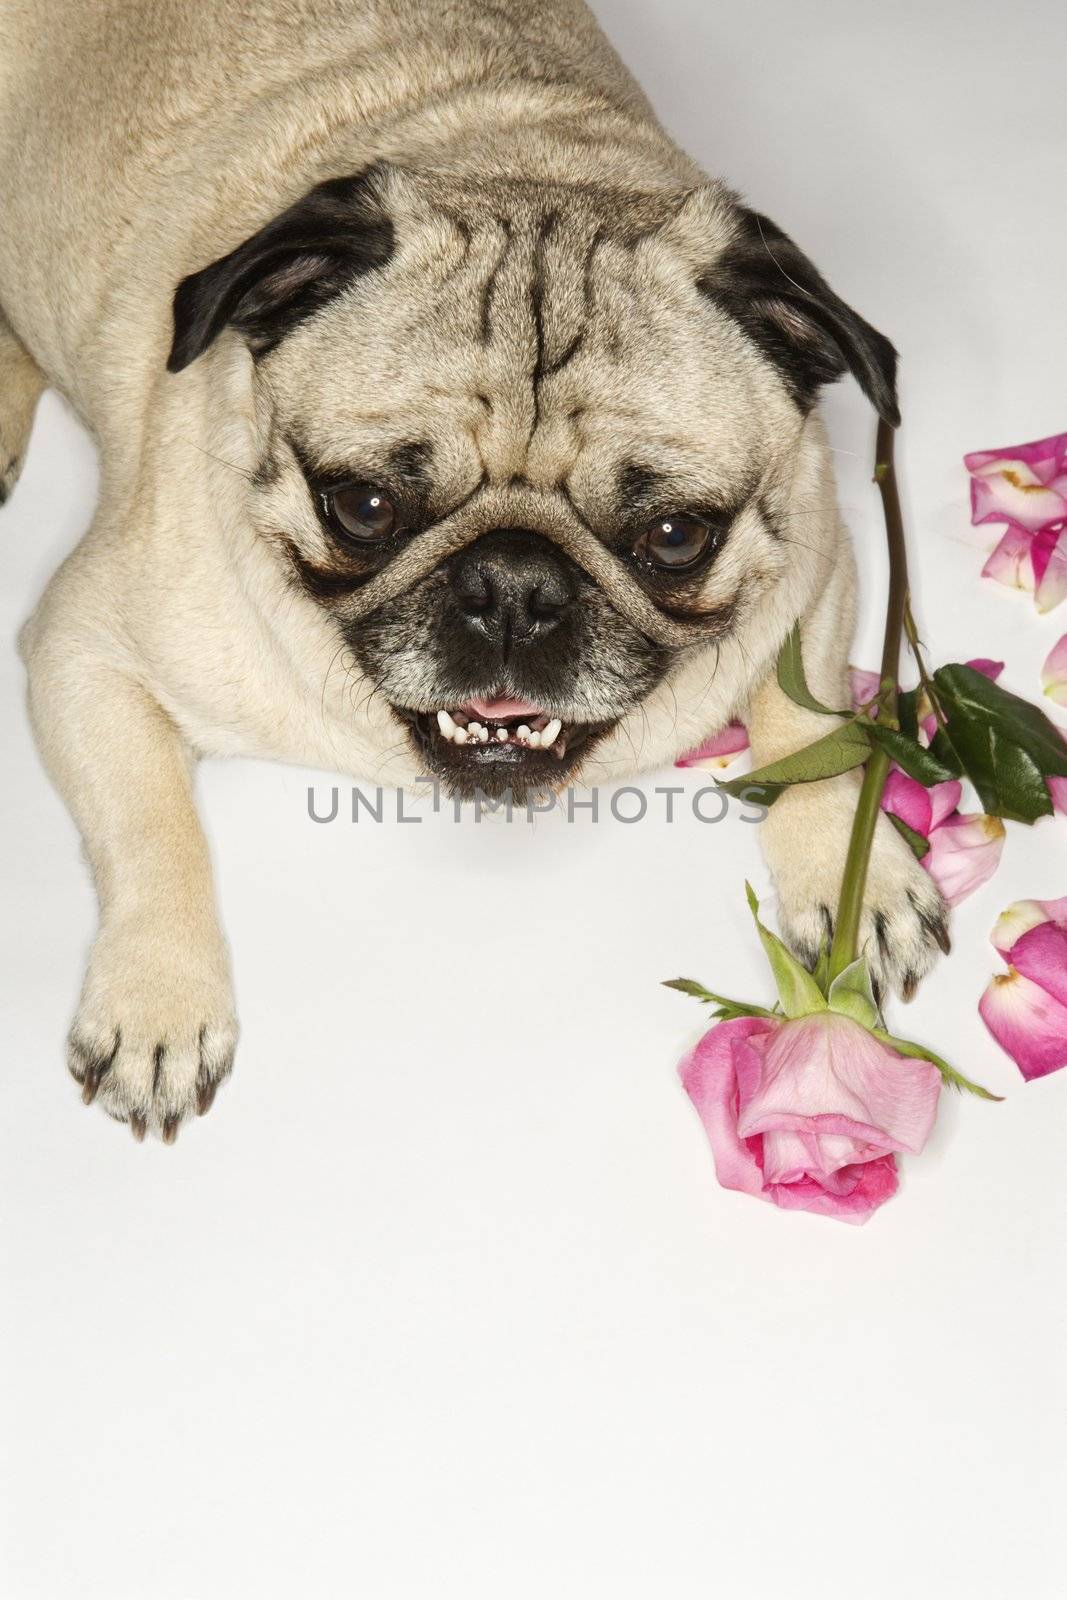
443 1299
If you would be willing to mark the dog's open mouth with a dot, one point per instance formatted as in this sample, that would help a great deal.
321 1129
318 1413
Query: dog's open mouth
500 722
497 738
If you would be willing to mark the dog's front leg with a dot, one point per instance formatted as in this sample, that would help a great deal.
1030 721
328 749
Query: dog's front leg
154 1032
806 833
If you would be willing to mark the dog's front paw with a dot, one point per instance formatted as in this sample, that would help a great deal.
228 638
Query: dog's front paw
155 1030
904 923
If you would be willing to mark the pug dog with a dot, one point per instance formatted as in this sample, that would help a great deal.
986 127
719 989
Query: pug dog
451 421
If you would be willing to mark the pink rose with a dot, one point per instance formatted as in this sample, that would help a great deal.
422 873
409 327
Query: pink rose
1025 486
965 848
1025 1009
808 1113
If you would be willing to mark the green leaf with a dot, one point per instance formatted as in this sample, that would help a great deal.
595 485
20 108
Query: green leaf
919 846
732 1008
941 748
953 1079
967 692
798 993
1008 781
912 757
836 752
1006 746
852 995
730 1013
757 794
792 678
908 713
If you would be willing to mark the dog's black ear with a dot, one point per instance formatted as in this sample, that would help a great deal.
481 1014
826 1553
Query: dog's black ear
286 271
786 307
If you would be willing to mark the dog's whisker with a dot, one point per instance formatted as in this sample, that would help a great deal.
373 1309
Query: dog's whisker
242 472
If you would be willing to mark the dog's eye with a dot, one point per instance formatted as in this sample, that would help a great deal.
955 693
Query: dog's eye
361 511
673 542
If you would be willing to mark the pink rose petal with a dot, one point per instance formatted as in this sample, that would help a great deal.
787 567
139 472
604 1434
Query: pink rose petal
1010 562
1021 916
719 750
1057 788
1041 955
876 1182
1054 673
944 798
1026 1022
1006 496
709 1078
1048 557
1045 458
964 853
907 799
988 669
1024 484
864 686
964 850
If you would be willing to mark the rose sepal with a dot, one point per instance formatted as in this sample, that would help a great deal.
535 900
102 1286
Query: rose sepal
851 994
798 993
724 1009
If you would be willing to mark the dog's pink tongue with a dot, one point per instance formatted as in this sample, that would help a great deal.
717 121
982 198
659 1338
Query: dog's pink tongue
500 710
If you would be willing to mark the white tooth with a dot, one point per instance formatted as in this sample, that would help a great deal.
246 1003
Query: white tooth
475 730
522 731
460 736
483 737
445 723
534 741
502 735
551 733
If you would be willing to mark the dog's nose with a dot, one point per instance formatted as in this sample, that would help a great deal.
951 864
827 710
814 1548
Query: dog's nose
512 586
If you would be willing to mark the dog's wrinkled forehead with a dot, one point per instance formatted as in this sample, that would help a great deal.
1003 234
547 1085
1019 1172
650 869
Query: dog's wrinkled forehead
538 335
531 331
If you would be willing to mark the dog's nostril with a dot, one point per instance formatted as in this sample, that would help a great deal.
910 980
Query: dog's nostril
473 588
547 601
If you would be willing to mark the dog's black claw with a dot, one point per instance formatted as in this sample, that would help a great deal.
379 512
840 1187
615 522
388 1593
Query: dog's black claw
205 1096
170 1129
138 1126
97 1067
910 985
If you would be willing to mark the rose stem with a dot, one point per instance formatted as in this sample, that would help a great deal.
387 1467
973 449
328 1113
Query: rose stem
846 928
